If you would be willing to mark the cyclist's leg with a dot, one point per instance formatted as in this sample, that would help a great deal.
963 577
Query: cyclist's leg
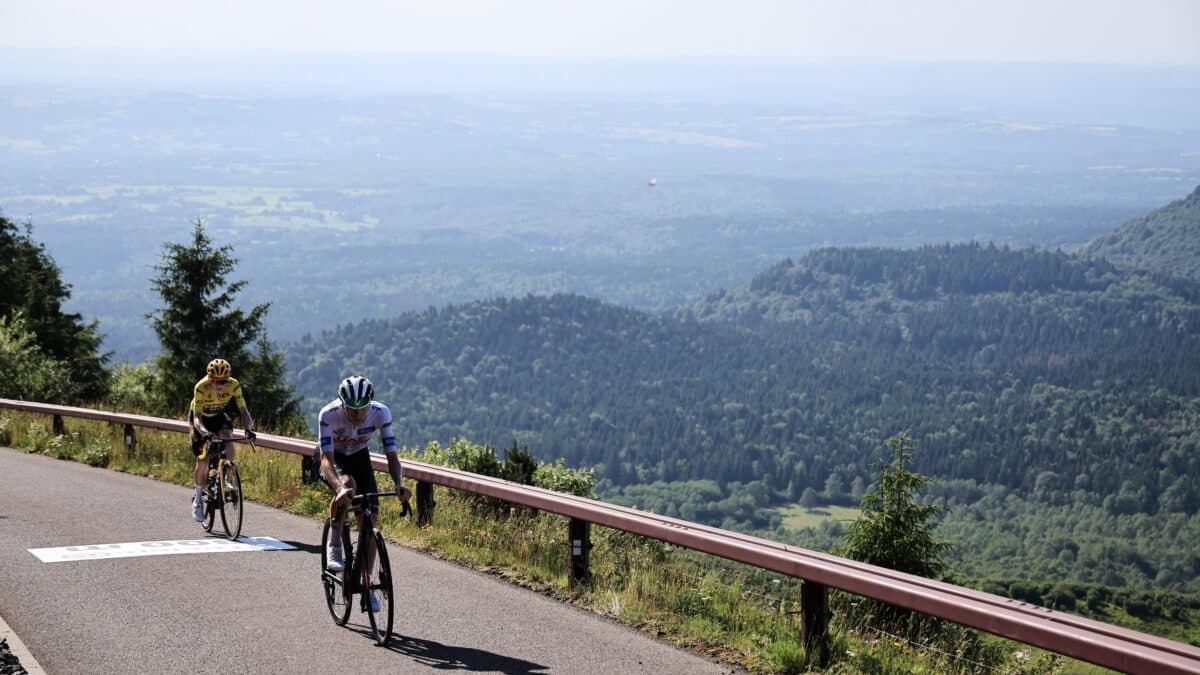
200 452
225 431
339 507
364 477
197 445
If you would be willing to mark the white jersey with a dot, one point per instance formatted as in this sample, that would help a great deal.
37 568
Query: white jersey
336 434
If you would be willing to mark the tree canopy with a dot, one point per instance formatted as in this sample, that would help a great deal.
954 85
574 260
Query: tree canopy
32 288
1166 239
199 321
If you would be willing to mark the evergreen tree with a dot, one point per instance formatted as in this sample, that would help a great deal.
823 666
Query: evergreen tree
894 530
199 323
809 499
31 284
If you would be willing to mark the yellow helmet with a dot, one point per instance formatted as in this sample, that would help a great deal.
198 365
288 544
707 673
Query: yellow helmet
219 369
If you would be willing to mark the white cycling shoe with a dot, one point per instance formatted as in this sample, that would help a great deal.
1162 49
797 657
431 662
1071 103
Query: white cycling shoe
198 509
334 562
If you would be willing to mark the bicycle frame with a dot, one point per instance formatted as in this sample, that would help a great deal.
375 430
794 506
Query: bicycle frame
359 559
223 486
362 507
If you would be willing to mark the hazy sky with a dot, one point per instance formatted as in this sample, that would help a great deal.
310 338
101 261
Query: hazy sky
1161 32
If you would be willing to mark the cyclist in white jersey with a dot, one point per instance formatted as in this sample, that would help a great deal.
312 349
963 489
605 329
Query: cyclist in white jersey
345 425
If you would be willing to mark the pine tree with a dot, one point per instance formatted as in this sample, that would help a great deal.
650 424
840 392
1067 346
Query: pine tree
31 285
894 530
199 322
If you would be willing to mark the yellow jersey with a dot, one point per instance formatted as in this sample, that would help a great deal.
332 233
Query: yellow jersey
209 401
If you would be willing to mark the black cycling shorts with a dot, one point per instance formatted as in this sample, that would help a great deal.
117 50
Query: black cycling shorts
213 425
357 466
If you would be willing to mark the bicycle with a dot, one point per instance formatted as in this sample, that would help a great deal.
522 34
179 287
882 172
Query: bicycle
340 587
223 491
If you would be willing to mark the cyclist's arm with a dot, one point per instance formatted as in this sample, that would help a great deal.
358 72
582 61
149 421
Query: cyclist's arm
247 421
397 472
195 409
329 471
325 448
389 450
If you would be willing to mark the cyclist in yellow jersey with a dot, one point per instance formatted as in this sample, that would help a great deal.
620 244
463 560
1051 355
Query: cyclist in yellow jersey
213 400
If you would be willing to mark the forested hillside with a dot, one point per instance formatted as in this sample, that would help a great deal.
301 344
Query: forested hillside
1042 372
1167 240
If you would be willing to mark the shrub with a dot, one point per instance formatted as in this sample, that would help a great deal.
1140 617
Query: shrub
560 478
96 454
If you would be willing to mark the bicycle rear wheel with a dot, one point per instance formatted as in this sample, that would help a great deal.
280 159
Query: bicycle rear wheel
381 585
211 504
336 584
231 500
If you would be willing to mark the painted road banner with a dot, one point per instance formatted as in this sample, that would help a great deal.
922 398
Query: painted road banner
133 549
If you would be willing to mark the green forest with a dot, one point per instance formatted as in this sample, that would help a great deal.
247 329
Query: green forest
1057 380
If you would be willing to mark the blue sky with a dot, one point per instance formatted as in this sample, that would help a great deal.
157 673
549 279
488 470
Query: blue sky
1142 32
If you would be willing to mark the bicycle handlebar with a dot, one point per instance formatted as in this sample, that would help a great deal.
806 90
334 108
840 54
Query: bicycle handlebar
217 439
243 441
357 500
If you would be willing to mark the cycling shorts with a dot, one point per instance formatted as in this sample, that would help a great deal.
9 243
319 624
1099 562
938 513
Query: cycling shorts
213 425
357 466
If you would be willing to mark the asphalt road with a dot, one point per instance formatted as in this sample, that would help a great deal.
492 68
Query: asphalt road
262 611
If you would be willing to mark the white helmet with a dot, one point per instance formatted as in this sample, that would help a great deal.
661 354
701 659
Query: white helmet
356 392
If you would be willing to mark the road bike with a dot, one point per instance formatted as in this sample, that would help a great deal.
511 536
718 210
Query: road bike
223 491
366 571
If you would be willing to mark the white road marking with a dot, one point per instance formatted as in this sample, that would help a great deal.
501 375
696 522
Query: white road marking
170 547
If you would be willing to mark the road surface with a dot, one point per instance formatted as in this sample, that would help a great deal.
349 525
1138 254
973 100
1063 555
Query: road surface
262 611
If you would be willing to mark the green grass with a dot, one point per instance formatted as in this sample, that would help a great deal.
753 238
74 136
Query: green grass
727 611
796 517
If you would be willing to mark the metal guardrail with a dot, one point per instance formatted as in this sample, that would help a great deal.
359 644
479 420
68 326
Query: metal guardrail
1103 644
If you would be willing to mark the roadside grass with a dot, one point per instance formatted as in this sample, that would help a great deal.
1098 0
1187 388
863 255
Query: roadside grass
727 611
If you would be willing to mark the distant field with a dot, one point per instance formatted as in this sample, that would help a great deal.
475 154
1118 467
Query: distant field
796 517
263 207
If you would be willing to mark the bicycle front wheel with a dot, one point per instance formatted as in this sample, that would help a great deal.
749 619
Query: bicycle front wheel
380 585
211 504
231 500
336 584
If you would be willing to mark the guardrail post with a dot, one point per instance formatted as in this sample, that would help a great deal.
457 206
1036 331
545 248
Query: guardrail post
130 439
425 504
59 429
310 467
814 621
579 545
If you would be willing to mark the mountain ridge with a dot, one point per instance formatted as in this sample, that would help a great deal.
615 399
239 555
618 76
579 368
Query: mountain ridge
1166 239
